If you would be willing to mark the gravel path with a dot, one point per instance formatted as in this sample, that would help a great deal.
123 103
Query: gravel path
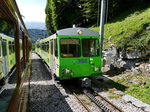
45 95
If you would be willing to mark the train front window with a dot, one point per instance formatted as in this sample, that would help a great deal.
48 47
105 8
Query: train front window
90 47
70 47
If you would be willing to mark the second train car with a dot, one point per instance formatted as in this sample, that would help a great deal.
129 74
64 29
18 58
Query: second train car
72 53
7 55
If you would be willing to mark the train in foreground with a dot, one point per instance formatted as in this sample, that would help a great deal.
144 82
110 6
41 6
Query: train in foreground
72 53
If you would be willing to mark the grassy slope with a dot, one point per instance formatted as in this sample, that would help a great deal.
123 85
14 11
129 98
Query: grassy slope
140 90
129 31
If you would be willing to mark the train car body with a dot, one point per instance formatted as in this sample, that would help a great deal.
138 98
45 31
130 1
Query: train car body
72 53
7 55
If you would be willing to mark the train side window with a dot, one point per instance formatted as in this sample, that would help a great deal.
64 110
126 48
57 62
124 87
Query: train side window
10 47
47 46
4 42
51 47
90 47
70 47
6 26
55 47
13 47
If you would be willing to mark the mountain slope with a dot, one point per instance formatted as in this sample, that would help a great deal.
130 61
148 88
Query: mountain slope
35 34
132 32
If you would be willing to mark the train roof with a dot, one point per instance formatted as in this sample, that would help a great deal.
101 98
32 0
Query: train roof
77 31
3 36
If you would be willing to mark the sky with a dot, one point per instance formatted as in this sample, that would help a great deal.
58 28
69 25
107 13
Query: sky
32 10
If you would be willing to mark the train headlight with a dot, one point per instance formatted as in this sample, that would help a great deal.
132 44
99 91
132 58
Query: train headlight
80 32
65 71
97 69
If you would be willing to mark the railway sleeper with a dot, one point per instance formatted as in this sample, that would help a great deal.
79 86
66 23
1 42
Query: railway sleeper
97 102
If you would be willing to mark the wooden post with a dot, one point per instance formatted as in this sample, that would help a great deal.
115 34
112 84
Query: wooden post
17 52
24 52
27 49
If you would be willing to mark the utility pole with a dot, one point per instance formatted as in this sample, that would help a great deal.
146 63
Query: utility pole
102 20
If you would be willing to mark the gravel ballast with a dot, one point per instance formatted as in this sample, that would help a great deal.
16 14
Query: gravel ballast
45 95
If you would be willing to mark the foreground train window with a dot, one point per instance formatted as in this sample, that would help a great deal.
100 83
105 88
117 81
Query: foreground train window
90 47
70 48
6 27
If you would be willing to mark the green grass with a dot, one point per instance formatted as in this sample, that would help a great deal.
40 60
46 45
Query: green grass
140 90
129 31
115 96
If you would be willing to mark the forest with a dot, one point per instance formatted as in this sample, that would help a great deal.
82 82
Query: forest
85 13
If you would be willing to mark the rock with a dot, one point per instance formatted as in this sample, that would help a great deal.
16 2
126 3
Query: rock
135 102
119 92
128 98
139 104
145 68
148 28
137 64
147 109
135 71
109 39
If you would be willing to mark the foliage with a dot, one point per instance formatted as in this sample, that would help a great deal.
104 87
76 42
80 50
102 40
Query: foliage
129 31
64 13
7 28
61 14
51 17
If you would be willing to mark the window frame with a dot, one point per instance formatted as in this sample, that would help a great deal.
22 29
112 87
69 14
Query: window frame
83 49
79 47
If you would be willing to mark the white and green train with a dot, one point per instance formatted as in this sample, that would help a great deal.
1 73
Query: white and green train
7 55
72 53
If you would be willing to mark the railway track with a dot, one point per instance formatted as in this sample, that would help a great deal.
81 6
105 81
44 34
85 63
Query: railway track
102 103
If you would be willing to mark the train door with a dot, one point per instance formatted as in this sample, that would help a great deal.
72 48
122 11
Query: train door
52 55
55 56
5 57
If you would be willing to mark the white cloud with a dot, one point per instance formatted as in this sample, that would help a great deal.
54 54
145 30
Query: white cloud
32 12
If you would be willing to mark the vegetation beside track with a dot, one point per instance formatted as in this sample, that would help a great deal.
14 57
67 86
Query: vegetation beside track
129 30
136 85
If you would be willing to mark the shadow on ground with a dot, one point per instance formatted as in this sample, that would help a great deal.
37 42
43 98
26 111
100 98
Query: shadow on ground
104 84
44 96
47 98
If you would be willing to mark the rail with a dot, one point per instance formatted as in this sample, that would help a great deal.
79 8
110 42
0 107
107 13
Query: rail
110 107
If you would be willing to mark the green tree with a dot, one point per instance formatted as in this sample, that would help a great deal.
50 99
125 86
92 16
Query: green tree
51 16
